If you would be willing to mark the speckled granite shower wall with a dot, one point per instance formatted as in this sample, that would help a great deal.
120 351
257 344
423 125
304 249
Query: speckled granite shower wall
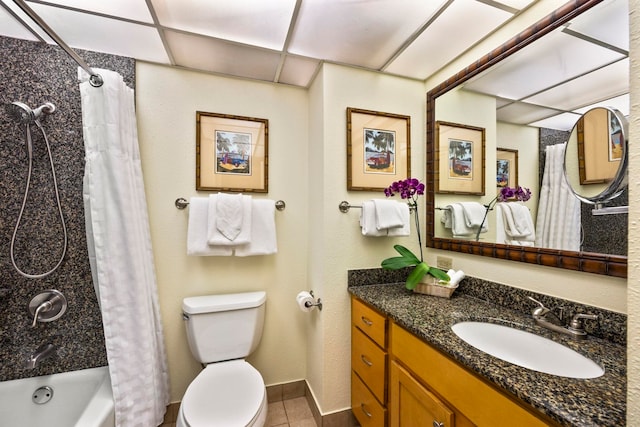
35 73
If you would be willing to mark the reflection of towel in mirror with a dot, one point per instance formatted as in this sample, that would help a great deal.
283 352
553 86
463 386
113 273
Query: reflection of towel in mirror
464 220
514 225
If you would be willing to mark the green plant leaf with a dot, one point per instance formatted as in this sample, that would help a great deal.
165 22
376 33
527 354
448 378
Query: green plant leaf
406 253
439 274
416 275
396 263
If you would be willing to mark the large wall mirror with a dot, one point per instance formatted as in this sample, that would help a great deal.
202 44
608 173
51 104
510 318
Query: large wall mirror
522 102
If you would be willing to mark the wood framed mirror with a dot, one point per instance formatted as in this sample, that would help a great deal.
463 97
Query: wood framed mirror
591 262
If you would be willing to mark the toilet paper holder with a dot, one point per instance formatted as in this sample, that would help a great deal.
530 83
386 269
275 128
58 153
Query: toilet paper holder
316 303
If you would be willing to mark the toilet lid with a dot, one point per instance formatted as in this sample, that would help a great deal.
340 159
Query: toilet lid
224 394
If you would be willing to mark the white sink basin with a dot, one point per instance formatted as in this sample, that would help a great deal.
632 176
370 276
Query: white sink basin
527 350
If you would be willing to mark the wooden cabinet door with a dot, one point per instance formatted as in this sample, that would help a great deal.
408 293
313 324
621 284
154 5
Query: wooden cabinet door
412 405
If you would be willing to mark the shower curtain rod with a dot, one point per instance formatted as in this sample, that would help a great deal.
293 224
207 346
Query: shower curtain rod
95 79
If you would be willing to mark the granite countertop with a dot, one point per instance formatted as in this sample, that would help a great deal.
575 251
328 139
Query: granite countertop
571 402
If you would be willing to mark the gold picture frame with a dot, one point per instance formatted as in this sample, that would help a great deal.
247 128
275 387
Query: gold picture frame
599 146
460 159
378 149
231 153
506 168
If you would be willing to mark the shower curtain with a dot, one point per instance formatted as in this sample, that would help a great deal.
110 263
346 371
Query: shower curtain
120 252
558 223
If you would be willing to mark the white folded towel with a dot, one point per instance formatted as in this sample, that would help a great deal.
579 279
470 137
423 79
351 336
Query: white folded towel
197 230
474 214
368 220
514 225
464 218
405 229
388 214
263 230
229 219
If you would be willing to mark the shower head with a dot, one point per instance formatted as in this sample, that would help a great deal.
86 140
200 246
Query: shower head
25 115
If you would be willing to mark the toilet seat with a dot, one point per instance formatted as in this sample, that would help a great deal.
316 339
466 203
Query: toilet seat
224 394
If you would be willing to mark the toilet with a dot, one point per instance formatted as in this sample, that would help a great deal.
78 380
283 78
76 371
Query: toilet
222 330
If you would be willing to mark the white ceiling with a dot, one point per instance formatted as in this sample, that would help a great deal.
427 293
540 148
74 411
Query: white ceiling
286 41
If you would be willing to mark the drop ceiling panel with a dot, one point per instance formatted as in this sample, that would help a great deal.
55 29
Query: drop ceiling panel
90 32
608 22
136 10
209 54
257 22
620 103
588 89
549 61
523 113
363 33
298 71
460 26
564 121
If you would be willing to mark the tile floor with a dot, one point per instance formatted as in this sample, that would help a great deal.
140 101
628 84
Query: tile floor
293 412
290 413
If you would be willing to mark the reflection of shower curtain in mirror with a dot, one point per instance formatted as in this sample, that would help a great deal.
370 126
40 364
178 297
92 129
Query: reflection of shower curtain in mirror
558 222
119 243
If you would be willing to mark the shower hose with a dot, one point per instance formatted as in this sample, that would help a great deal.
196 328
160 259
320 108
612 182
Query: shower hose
24 202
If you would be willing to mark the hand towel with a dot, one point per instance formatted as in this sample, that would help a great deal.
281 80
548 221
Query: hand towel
197 230
514 225
218 218
263 230
457 221
368 220
388 214
474 214
405 229
228 215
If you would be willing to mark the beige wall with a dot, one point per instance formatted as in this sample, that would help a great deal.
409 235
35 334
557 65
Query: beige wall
167 100
317 243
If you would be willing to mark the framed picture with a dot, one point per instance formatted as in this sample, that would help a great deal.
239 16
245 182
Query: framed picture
506 168
231 153
378 149
599 139
460 159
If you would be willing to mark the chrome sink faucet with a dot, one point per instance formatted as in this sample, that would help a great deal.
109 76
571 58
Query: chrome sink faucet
43 352
548 319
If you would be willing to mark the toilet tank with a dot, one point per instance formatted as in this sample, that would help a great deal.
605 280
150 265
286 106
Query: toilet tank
224 327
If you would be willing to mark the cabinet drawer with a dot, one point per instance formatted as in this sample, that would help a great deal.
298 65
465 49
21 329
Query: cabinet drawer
365 407
370 362
369 321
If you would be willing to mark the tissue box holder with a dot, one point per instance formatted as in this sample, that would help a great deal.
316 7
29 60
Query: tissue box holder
429 287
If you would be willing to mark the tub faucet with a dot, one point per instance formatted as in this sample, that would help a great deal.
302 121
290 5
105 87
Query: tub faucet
43 352
548 319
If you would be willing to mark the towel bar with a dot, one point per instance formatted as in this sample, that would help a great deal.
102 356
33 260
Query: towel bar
344 207
182 203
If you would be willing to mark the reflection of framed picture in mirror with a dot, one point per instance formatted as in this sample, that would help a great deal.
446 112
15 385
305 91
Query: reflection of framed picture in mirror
506 168
460 159
378 149
599 146
231 153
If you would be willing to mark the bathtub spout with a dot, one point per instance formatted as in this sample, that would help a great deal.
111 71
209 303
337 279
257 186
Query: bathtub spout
43 352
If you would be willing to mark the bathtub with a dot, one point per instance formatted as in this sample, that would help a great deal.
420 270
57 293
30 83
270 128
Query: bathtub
73 399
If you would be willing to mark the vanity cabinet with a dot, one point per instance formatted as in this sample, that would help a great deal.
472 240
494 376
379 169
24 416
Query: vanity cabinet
399 380
369 360
430 385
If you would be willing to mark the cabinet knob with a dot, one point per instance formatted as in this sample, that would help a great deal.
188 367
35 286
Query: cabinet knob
366 321
365 360
367 413
437 424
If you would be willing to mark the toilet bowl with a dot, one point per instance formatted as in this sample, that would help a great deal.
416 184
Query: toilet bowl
225 394
221 331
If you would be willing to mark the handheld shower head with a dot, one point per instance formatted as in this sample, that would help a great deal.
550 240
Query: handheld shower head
25 115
